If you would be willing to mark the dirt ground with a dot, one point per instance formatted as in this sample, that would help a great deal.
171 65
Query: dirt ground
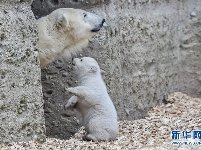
180 112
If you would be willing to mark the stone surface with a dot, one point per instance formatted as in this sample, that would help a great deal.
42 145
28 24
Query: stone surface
148 49
14 1
44 7
21 101
189 53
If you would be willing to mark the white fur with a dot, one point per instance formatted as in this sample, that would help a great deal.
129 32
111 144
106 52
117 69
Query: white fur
92 102
65 31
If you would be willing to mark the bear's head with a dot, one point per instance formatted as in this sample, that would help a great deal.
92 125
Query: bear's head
77 23
85 66
64 32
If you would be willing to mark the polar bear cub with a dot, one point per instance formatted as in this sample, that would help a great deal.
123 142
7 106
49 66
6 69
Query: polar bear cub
92 102
65 31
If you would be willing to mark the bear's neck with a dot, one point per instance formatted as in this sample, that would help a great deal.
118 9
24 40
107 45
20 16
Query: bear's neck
94 82
90 80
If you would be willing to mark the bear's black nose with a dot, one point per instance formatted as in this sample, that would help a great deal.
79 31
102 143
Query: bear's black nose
103 21
73 62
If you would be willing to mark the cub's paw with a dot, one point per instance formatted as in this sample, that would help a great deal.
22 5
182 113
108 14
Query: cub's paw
89 137
67 106
70 104
72 90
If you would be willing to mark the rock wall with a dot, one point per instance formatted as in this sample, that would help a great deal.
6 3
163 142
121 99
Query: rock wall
44 7
21 101
149 49
189 51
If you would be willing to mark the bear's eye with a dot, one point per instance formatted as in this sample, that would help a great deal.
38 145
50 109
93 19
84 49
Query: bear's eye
80 59
84 15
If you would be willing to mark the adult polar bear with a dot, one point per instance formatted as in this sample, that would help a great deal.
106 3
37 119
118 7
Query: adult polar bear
65 31
92 102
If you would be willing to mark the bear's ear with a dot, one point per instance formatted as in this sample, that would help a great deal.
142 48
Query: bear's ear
63 23
94 69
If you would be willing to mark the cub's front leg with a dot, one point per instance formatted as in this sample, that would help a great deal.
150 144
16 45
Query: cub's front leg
71 102
80 91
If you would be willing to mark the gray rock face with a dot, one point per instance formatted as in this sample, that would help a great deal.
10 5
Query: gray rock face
148 50
189 52
21 102
44 7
